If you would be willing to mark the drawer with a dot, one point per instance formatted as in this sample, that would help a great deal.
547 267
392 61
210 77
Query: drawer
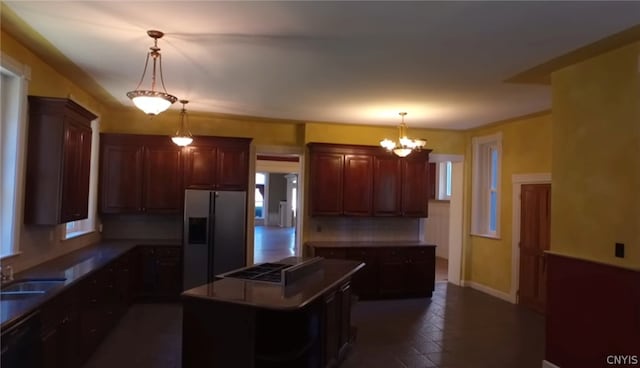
393 254
360 253
337 253
174 252
421 254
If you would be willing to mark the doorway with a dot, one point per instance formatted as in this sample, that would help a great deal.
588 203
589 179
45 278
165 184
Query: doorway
276 207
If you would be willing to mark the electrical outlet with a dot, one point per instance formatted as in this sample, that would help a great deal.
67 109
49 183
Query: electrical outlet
620 250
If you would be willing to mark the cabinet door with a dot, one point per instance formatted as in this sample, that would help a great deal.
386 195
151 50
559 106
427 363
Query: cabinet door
415 186
421 271
331 328
121 178
387 191
365 281
345 318
75 171
393 272
200 167
327 178
169 271
162 183
232 167
432 180
358 185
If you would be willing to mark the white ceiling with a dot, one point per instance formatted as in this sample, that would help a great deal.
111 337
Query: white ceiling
347 62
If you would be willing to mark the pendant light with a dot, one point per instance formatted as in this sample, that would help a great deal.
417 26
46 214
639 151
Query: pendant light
405 145
152 102
183 136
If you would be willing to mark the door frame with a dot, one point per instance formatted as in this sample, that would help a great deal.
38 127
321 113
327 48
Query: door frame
275 151
517 181
456 215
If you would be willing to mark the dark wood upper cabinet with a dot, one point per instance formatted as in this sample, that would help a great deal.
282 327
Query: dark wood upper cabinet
162 179
387 175
415 185
217 164
232 163
432 180
148 173
140 174
348 180
120 176
327 178
58 161
358 185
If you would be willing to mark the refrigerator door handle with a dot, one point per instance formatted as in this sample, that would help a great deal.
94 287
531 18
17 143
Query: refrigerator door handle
211 236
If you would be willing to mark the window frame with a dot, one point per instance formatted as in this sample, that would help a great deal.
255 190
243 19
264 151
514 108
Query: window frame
444 172
10 234
482 187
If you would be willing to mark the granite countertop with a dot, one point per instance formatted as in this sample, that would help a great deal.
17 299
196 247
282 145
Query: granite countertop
275 296
73 267
386 243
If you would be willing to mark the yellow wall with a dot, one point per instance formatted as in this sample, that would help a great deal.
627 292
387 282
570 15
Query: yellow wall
263 132
526 148
440 141
41 243
596 158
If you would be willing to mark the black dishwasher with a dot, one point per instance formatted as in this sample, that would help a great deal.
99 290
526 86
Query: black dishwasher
21 344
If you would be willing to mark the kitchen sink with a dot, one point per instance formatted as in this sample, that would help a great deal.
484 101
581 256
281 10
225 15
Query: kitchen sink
26 288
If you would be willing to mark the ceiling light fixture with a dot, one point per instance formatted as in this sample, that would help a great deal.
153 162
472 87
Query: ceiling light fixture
152 102
405 145
183 136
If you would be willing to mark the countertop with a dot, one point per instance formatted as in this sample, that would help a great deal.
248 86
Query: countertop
73 267
275 296
355 244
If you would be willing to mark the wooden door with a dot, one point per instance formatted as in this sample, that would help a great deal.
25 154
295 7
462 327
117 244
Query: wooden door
421 270
535 210
162 180
386 185
393 268
233 167
358 185
121 178
326 182
415 185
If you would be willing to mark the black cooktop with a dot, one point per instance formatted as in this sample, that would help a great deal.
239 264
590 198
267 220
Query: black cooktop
266 272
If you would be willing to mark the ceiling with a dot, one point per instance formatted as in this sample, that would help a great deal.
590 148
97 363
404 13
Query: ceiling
445 63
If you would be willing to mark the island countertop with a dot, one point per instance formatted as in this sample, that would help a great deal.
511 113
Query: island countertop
276 296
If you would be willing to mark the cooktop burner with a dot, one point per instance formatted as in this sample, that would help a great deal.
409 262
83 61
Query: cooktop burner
265 272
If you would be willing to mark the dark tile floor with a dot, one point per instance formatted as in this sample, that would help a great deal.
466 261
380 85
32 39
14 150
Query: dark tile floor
457 328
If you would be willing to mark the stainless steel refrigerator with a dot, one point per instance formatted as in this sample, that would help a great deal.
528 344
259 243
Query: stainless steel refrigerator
214 234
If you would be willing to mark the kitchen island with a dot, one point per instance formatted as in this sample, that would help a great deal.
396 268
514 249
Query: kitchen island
244 323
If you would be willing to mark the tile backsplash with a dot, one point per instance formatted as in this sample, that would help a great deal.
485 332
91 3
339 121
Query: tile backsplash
142 226
362 229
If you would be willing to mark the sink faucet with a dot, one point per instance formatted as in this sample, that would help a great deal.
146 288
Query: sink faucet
8 276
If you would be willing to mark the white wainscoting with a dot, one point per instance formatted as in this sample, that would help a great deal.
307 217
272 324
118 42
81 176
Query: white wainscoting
437 228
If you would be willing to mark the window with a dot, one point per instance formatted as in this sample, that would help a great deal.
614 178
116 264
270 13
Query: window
487 152
444 180
259 195
13 95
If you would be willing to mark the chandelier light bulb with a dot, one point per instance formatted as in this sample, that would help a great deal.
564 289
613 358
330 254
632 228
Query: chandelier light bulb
405 145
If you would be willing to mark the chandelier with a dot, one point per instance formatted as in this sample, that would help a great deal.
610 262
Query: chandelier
152 102
183 136
405 145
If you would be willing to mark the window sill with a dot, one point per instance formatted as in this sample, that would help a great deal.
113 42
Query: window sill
76 234
488 236
8 256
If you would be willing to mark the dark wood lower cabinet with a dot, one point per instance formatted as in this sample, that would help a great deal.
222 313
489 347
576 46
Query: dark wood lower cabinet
389 272
68 328
160 272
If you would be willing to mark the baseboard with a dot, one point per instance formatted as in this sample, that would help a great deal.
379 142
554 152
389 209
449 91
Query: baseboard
487 290
546 364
